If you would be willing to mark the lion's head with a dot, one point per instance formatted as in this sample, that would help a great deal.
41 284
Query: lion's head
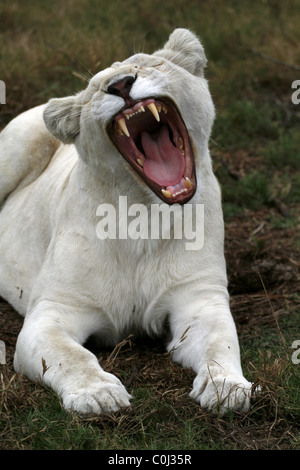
154 110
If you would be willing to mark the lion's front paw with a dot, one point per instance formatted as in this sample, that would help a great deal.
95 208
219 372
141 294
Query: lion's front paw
220 393
97 396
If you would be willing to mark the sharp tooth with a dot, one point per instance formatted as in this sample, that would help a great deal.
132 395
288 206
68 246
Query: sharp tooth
187 183
166 193
180 143
154 111
123 126
142 109
140 162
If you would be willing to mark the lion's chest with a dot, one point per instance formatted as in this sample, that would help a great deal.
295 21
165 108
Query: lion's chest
123 280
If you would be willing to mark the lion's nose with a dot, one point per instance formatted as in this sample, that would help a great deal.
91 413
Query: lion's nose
122 87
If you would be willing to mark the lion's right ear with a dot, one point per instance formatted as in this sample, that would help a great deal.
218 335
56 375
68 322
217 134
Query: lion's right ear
62 117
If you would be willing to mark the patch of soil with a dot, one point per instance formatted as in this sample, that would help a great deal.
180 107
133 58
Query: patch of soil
263 269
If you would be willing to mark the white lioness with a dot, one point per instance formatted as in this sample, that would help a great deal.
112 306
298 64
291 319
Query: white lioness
140 129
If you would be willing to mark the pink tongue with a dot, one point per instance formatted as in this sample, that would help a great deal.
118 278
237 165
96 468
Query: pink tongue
164 162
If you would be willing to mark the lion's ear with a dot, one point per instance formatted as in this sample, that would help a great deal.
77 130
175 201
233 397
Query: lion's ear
184 49
62 117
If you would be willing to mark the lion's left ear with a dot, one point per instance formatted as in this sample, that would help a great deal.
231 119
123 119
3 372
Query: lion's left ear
184 49
62 117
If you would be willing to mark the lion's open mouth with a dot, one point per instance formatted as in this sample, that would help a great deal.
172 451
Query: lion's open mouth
153 138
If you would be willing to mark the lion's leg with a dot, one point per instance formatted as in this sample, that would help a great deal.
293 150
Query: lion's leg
205 339
49 349
26 147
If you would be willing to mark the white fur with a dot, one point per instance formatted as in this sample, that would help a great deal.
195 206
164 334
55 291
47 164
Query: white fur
70 284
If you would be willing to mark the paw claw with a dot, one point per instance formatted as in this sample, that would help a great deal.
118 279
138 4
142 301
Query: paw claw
97 397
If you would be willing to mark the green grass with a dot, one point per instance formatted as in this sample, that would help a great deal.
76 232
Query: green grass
250 191
245 122
50 48
285 152
270 350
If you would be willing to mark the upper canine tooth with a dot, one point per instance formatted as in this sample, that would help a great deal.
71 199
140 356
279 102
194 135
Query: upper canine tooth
123 126
154 111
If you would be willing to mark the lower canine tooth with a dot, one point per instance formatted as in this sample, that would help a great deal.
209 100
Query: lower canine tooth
187 183
123 126
140 162
154 111
166 193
